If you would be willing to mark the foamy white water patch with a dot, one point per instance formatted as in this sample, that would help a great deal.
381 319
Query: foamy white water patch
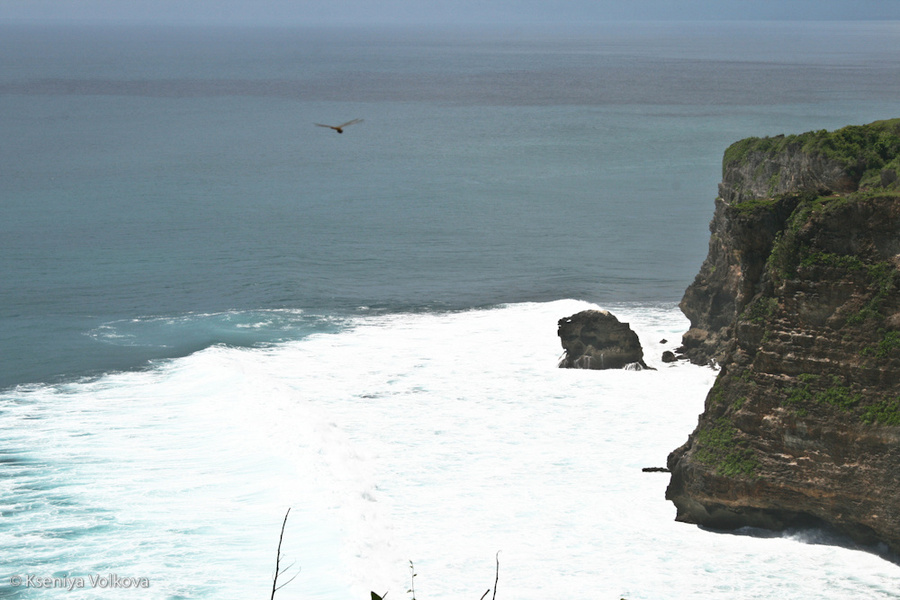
172 475
436 438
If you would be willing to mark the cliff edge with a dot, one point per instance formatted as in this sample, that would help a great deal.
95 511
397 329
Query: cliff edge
798 302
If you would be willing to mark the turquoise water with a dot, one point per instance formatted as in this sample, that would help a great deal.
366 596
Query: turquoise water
164 173
212 309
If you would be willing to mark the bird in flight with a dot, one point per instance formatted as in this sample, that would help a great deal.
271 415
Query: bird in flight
340 128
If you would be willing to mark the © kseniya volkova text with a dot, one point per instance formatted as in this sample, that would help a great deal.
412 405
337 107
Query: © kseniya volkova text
108 581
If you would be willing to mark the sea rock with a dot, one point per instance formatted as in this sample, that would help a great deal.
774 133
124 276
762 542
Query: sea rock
669 357
798 302
595 339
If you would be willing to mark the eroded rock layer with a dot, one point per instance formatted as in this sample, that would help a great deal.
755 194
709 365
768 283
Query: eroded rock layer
798 302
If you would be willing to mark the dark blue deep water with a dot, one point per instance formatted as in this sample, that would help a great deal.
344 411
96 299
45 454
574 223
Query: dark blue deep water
159 186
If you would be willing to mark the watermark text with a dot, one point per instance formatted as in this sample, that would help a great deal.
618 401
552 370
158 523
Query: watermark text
110 581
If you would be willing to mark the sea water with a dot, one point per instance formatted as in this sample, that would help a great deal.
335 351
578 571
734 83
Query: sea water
213 311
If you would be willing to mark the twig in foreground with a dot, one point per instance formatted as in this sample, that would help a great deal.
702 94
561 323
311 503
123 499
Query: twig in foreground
278 570
496 577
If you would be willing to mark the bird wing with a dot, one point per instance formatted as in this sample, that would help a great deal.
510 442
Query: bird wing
320 125
353 122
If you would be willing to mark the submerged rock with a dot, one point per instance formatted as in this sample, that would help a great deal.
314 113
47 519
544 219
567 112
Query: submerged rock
798 301
596 339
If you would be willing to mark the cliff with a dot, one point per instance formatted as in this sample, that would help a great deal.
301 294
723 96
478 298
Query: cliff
798 303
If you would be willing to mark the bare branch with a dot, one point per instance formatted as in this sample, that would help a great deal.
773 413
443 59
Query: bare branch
496 577
287 582
275 586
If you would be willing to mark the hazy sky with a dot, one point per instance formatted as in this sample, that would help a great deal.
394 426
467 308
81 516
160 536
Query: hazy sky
511 12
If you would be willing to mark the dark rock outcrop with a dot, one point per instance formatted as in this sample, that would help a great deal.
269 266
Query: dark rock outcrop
595 339
799 303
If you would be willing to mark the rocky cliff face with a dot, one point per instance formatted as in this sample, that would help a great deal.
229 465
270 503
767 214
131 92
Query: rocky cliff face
798 302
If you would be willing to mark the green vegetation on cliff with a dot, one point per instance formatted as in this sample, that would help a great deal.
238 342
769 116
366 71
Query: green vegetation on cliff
756 205
814 389
720 447
887 347
864 150
760 310
792 252
883 412
883 280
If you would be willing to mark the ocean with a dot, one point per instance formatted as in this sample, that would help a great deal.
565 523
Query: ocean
213 310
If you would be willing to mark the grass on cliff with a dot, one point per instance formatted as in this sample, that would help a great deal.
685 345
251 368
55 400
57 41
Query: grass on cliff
887 347
883 412
756 206
719 446
810 389
760 309
883 281
789 254
858 148
814 389
881 278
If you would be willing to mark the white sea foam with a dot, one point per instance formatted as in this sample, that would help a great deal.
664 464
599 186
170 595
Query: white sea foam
436 438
